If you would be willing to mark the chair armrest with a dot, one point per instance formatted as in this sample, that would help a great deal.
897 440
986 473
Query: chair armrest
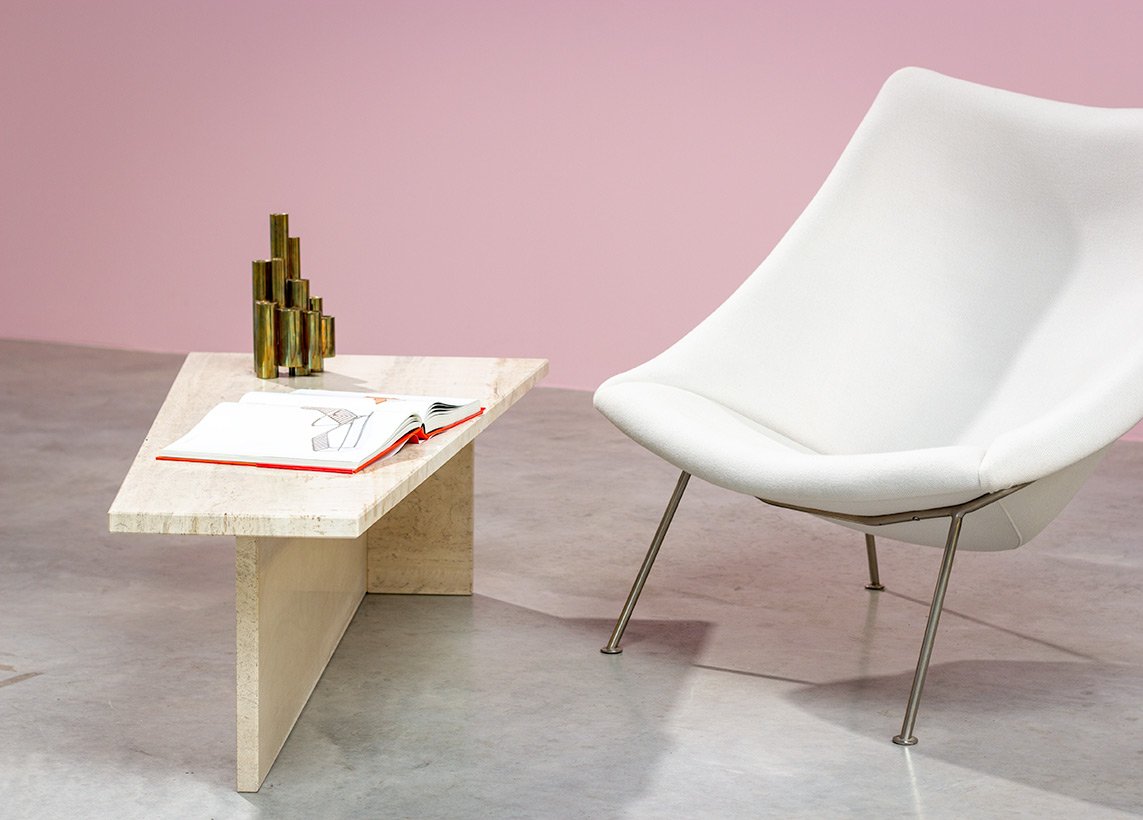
1086 422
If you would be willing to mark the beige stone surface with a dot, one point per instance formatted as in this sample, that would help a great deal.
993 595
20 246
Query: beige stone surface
303 536
294 599
424 544
212 499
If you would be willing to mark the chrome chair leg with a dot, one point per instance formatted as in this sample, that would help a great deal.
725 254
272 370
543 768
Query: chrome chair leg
612 647
906 737
871 553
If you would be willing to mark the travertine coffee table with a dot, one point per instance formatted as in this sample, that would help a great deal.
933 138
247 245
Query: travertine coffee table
309 544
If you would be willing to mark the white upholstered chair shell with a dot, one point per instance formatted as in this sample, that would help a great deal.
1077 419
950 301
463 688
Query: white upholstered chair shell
953 327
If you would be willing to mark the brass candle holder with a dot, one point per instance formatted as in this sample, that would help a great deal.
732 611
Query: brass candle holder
290 327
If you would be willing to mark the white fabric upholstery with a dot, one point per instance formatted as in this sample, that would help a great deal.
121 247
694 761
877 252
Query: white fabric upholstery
959 310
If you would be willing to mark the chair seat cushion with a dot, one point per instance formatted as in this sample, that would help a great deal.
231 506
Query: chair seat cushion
721 446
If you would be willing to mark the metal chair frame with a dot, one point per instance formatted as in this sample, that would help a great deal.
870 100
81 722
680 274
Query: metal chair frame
955 514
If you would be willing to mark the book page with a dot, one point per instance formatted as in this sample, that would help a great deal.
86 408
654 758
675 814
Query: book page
356 402
316 436
435 411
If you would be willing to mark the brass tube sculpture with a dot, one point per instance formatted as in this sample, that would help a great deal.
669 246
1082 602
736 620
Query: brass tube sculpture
290 327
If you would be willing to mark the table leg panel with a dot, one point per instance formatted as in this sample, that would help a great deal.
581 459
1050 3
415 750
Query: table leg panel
424 544
295 598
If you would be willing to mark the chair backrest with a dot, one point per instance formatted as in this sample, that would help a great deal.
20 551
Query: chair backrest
975 257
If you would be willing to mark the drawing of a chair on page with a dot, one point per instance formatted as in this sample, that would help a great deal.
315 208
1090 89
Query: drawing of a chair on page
345 432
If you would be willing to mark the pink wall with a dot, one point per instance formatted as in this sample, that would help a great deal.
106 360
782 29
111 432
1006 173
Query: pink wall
577 180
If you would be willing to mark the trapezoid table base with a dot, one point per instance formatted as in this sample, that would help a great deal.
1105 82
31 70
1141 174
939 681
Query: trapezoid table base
295 597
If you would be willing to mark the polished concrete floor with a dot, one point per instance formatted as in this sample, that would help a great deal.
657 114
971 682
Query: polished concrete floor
760 678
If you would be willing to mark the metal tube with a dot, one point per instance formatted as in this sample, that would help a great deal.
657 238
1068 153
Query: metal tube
298 293
278 280
279 234
262 281
612 647
902 517
315 335
265 340
314 360
291 338
298 298
328 338
871 553
906 737
293 257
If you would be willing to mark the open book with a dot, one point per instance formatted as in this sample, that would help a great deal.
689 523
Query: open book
328 430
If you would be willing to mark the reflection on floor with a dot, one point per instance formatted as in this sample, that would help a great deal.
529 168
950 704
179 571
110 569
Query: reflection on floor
759 680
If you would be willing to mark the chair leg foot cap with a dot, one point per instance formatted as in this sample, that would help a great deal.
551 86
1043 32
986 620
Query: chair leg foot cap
875 587
905 741
612 650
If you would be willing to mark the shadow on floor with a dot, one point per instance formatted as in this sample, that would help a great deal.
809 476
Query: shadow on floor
997 717
487 708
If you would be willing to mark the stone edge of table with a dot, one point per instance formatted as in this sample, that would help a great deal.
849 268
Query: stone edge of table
141 508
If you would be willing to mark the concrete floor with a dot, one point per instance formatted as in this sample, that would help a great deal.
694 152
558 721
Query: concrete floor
760 678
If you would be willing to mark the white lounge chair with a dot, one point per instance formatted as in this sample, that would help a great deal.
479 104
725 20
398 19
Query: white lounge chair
952 329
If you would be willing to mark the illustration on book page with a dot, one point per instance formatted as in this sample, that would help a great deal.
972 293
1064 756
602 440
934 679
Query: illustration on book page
345 431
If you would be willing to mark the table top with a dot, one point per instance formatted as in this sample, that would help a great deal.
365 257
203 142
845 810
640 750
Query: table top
216 499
